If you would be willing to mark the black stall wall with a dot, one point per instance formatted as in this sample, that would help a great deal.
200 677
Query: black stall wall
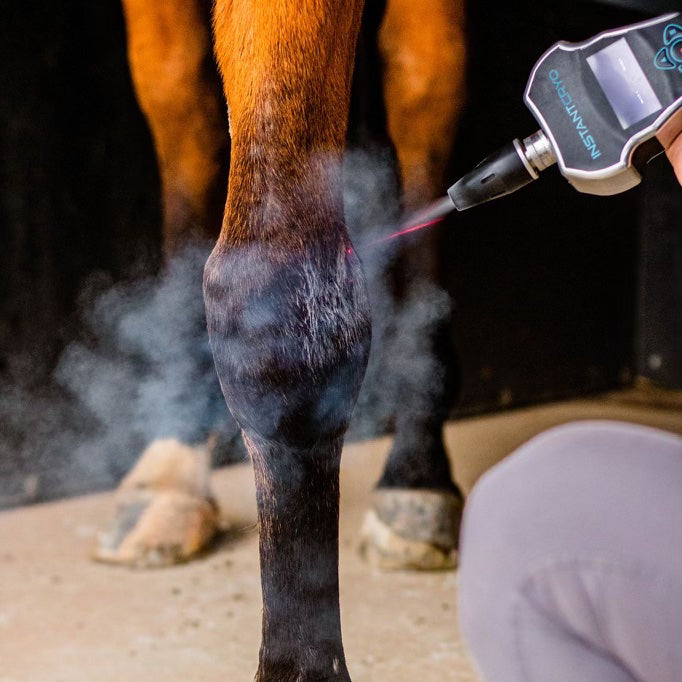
659 302
78 196
78 190
544 280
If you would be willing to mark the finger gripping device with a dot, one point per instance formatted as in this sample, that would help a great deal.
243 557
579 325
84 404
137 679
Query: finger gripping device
602 106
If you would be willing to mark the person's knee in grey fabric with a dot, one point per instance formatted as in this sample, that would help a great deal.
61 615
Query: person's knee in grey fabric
571 558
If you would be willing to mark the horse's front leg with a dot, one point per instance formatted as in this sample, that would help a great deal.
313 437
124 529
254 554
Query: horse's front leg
286 307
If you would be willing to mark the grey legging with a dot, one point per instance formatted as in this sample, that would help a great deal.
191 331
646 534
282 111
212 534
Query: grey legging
571 559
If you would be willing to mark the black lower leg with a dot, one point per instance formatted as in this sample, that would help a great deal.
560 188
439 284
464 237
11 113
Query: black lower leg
422 355
418 458
298 507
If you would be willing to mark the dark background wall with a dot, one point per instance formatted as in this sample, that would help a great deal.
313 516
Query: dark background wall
545 306
78 189
566 293
545 283
78 209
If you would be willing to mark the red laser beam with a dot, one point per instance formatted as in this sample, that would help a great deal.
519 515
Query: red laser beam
411 228
400 233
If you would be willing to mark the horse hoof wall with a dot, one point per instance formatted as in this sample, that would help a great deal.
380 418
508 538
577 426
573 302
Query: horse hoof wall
412 530
165 513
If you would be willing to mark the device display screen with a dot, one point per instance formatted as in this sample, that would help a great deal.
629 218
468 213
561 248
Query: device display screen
624 83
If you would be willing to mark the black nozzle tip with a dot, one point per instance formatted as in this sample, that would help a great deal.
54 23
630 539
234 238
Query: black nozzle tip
498 174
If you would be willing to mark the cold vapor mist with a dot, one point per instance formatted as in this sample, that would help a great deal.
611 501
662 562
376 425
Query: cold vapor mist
141 367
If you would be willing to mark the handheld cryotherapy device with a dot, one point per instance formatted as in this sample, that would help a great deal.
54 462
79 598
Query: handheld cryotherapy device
602 106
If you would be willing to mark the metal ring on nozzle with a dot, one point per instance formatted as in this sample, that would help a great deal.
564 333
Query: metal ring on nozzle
538 150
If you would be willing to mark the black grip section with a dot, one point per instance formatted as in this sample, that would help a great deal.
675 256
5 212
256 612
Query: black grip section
501 173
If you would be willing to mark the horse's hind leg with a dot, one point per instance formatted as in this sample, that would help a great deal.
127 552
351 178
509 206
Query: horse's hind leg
164 509
415 519
178 88
287 313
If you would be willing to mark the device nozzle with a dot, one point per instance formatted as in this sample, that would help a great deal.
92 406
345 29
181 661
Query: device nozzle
508 169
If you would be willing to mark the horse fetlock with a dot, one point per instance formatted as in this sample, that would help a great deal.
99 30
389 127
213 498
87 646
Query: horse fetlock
289 329
316 667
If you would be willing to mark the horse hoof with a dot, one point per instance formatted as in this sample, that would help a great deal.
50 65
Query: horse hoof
412 529
165 513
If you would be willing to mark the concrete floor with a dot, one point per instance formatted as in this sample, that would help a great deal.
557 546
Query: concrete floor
66 619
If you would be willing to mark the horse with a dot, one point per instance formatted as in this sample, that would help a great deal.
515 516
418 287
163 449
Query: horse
287 305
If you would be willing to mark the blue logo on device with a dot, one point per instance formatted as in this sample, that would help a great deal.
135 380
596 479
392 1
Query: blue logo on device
670 56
